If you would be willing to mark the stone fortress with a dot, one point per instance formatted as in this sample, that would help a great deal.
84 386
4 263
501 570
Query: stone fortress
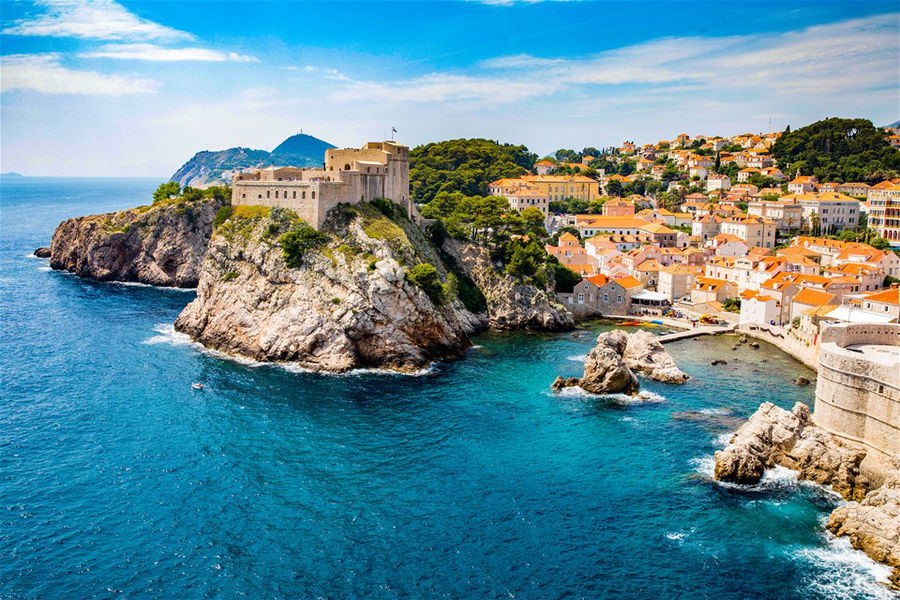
858 389
350 175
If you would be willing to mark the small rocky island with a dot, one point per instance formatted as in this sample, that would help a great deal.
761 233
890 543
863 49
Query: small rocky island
611 365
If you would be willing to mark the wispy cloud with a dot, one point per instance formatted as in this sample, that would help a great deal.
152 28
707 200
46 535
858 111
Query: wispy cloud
838 58
44 73
93 19
153 52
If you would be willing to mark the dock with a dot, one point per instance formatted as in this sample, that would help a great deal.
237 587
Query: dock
695 332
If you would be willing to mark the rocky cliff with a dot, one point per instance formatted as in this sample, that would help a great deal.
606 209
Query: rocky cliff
511 303
873 524
774 436
344 300
163 244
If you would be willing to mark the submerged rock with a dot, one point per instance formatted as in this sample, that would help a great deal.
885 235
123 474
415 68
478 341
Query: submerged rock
719 361
873 524
43 252
348 304
774 436
162 245
802 381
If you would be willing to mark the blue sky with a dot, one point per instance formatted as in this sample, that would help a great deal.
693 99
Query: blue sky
108 88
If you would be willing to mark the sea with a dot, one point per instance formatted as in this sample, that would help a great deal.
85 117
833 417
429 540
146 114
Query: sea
470 479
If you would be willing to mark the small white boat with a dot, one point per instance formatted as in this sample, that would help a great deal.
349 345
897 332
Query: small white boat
196 386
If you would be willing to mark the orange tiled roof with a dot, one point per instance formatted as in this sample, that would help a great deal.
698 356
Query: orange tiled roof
814 297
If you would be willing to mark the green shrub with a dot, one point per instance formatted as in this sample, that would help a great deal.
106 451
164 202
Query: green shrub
438 233
250 212
222 215
167 190
229 276
426 277
296 243
468 293
385 206
335 300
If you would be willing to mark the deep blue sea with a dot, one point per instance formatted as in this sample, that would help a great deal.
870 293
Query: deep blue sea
117 480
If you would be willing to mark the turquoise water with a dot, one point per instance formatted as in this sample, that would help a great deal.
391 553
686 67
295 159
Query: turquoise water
473 481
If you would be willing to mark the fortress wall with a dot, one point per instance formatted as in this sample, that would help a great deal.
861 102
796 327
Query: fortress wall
858 396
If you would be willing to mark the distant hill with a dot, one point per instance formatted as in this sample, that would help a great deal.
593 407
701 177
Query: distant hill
893 125
216 167
11 174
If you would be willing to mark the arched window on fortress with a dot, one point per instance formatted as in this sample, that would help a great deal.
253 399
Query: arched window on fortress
276 194
303 195
295 196
267 194
347 167
313 195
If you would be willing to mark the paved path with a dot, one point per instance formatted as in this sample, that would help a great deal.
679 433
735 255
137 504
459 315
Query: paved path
697 331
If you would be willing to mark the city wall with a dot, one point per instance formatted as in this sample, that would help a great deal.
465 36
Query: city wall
858 393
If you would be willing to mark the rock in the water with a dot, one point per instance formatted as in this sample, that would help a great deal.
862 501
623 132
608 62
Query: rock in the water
743 340
774 436
348 304
754 345
873 524
43 252
511 304
160 245
802 381
605 371
564 382
719 361
645 353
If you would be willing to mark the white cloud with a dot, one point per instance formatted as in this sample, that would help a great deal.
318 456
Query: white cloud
518 61
93 19
44 73
152 52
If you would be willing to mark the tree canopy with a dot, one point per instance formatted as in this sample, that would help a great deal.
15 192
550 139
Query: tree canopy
464 165
839 150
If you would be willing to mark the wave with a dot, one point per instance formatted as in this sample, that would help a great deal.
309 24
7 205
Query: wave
168 335
722 439
577 357
155 287
776 479
715 411
840 572
642 397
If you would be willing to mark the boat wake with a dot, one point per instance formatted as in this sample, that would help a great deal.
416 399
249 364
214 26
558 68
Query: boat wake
167 335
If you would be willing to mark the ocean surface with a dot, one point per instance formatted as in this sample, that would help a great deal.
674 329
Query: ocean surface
473 480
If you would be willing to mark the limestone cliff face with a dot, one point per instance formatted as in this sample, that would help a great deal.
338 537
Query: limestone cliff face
511 304
347 305
159 245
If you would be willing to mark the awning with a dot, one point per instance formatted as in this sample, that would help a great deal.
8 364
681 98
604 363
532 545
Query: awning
648 296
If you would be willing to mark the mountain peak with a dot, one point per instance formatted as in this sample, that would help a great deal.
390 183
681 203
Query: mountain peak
304 145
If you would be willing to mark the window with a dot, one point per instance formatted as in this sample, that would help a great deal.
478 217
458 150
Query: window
267 194
313 195
243 195
276 193
618 298
295 195
580 298
606 297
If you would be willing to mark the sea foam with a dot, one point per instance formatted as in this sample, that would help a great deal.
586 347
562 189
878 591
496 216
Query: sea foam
840 572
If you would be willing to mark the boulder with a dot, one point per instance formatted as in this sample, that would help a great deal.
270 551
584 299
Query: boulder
43 252
564 382
802 381
774 436
645 353
605 371
719 361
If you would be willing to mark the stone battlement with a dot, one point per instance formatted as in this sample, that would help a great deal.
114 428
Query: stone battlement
858 388
350 176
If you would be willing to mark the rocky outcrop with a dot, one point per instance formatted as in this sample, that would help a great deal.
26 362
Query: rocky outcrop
43 252
605 371
873 524
645 353
511 303
162 245
774 436
348 304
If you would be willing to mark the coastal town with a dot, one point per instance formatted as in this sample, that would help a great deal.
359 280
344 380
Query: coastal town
755 248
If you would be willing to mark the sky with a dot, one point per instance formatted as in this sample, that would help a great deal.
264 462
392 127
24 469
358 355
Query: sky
105 88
